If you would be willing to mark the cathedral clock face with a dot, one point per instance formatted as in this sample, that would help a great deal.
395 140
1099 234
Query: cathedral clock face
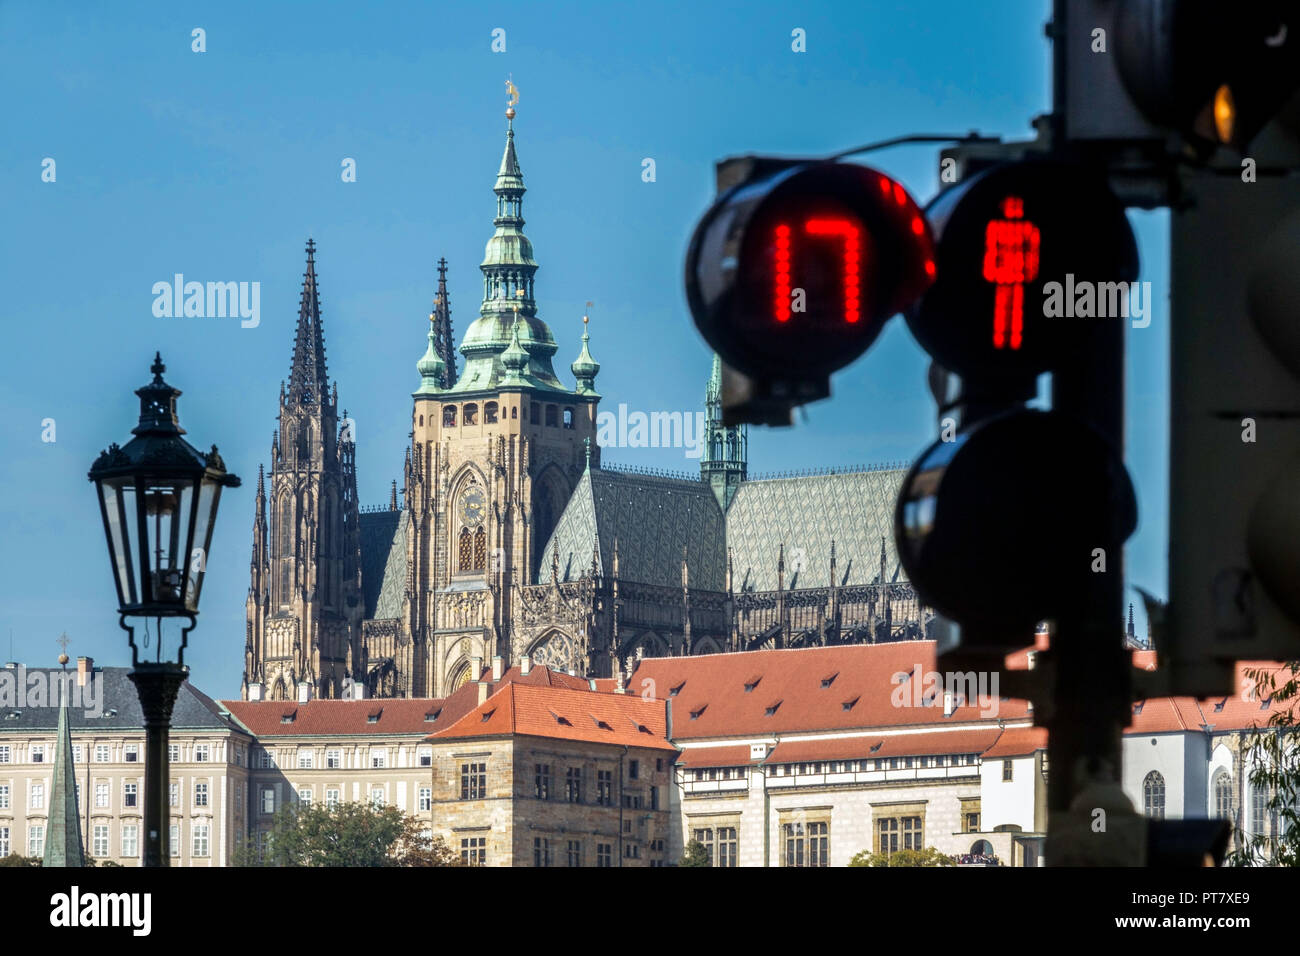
473 506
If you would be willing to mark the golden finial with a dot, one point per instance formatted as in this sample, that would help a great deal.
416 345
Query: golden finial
513 92
62 641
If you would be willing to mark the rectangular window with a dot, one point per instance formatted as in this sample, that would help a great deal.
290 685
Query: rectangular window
4 802
425 758
4 842
200 753
173 753
633 769
131 753
174 795
38 753
473 851
130 840
887 835
76 753
101 753
704 836
377 758
304 759
727 844
174 840
264 760
473 781
200 832
36 840
333 759
575 853
129 794
200 795
268 800
972 823
376 798
573 785
604 854
4 754
654 798
37 801
807 844
331 798
911 833
99 842
605 788
542 781
541 851
426 798
1006 770
101 795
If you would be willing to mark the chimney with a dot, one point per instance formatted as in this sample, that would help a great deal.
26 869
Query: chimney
525 665
620 682
476 668
482 691
304 691
359 690
640 652
949 703
85 667
498 664
255 690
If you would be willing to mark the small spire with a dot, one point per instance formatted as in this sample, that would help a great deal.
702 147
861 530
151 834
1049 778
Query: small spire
441 319
586 446
585 368
307 375
392 501
261 482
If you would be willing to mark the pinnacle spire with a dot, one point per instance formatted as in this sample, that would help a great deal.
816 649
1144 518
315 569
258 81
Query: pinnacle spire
63 846
443 341
308 381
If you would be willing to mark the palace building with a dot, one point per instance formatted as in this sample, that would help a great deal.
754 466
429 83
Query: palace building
510 537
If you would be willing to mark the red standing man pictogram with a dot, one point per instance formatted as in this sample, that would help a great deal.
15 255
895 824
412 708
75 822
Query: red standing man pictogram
1010 260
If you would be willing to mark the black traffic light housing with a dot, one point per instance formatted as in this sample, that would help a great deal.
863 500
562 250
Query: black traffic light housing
793 271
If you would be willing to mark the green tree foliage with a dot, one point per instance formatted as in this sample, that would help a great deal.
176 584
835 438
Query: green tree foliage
927 857
1274 766
349 834
694 854
14 859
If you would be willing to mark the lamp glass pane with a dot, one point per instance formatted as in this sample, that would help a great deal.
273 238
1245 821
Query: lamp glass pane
118 500
206 515
164 501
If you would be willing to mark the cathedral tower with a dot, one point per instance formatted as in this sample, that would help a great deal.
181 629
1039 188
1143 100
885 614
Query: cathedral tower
495 456
726 449
303 609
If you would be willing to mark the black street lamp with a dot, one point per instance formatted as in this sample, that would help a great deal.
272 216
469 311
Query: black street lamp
158 496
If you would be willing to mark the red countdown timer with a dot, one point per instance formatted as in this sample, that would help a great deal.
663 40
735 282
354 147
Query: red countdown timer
1002 236
794 274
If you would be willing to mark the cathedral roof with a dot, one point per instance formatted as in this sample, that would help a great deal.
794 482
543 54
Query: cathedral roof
805 514
383 563
653 518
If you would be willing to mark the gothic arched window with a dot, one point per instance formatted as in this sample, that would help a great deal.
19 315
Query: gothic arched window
1223 794
464 551
480 549
449 416
1153 795
1261 817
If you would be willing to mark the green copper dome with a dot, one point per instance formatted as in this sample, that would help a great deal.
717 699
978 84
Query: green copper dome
585 367
431 368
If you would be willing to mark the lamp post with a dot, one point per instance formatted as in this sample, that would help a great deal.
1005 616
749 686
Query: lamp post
158 496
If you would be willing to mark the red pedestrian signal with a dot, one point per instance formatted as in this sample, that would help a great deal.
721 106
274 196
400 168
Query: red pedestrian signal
792 275
1013 243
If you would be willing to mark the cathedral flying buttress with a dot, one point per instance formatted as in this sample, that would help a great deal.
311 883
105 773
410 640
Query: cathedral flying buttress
511 541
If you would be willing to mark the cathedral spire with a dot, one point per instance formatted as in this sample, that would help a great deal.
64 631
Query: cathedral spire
444 344
63 845
585 368
724 462
307 377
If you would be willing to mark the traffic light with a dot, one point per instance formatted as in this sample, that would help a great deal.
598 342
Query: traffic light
793 271
1001 523
1234 523
1017 247
1215 72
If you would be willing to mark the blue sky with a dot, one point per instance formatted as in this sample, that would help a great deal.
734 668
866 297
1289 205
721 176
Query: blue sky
219 164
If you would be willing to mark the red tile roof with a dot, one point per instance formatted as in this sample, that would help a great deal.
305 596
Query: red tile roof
565 714
731 756
818 689
269 718
936 743
1018 742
